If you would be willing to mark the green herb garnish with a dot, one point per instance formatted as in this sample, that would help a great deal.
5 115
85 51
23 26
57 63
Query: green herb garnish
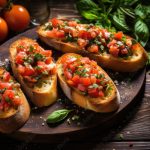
58 115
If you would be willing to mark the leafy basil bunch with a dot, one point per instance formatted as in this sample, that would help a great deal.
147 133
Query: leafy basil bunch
130 16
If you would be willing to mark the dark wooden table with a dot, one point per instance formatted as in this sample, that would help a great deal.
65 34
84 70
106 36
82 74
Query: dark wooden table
131 131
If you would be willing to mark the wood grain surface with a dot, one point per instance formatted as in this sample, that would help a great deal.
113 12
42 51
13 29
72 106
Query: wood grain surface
131 132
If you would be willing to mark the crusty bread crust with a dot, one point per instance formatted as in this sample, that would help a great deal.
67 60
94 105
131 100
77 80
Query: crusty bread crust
107 104
43 96
132 64
14 119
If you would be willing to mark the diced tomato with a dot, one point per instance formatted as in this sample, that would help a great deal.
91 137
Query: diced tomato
85 60
70 82
118 35
128 42
47 53
93 79
53 71
72 67
81 87
19 57
16 101
55 22
93 48
41 66
68 75
93 34
9 93
74 33
93 92
114 51
4 85
6 76
72 23
60 34
21 69
124 51
29 71
94 71
41 63
85 81
76 79
101 93
48 60
84 34
82 42
105 34
52 33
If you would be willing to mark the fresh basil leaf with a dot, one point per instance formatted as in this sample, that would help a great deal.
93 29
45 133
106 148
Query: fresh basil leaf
129 2
141 32
58 115
88 9
128 12
86 5
119 21
89 15
140 11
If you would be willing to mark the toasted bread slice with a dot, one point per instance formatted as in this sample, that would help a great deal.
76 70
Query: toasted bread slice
14 118
41 96
106 60
105 104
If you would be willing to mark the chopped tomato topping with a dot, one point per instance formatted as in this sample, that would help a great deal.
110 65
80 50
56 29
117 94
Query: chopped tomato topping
29 71
6 85
6 76
60 34
93 48
85 81
21 69
55 22
20 57
72 23
114 51
118 35
33 62
84 74
76 79
81 87
82 42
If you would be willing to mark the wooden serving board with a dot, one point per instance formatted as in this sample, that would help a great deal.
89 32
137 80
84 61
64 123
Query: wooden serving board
36 129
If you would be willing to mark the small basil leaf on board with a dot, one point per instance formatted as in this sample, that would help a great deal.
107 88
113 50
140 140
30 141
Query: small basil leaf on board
58 115
119 21
141 32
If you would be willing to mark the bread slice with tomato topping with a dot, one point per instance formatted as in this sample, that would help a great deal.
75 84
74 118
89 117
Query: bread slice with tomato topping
35 69
14 107
87 84
115 51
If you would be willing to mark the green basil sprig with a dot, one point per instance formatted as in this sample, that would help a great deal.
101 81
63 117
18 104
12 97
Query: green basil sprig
58 115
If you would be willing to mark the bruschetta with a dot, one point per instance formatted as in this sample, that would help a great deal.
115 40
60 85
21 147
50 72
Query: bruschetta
115 51
14 108
35 70
87 84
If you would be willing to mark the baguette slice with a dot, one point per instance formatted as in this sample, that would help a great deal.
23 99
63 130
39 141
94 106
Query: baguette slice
40 96
12 119
132 64
106 104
